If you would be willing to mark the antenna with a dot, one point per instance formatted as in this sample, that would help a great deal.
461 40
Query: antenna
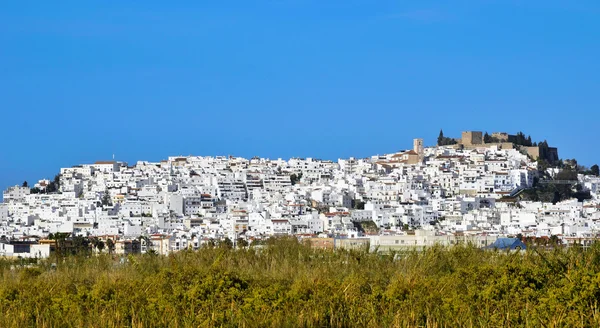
113 157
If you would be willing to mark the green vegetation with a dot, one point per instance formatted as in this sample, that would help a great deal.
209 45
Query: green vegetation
557 190
366 227
573 166
54 185
106 199
295 178
521 140
445 141
287 284
489 139
595 170
358 204
554 193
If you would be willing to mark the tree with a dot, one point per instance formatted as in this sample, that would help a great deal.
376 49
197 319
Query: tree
226 243
25 184
110 244
241 242
57 181
54 185
59 241
211 243
106 200
443 141
542 164
595 170
359 205
147 242
295 178
567 174
80 245
554 240
486 138
100 246
51 187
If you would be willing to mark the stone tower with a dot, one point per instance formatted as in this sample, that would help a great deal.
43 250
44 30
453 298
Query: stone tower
418 148
472 138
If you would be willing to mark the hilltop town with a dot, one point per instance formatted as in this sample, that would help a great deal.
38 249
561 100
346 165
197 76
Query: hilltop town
472 188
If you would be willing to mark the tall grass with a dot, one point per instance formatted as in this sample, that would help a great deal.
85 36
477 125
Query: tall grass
287 284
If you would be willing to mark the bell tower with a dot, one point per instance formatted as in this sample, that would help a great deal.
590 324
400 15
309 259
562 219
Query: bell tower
418 148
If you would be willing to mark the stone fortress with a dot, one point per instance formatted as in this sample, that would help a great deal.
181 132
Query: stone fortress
474 139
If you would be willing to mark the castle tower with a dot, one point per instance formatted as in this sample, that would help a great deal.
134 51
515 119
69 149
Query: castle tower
418 148
472 138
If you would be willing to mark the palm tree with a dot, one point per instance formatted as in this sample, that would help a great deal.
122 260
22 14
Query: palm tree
59 241
147 242
110 244
80 244
96 243
100 246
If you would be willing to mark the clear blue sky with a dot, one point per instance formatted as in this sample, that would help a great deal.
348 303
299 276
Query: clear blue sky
82 80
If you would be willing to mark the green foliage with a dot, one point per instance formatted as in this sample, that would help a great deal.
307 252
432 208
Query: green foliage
489 139
241 242
359 205
566 174
54 185
366 226
295 178
554 193
110 245
595 170
106 199
288 284
521 140
444 141
557 192
225 243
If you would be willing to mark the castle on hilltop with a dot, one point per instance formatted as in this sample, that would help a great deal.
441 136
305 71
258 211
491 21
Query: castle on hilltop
503 140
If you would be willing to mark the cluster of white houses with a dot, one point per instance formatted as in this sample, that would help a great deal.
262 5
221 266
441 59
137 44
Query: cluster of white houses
420 197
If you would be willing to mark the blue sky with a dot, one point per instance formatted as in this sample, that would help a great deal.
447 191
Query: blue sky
83 80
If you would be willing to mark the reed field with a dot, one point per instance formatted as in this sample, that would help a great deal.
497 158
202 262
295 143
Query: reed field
288 284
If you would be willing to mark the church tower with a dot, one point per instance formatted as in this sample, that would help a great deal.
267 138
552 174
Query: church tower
418 148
